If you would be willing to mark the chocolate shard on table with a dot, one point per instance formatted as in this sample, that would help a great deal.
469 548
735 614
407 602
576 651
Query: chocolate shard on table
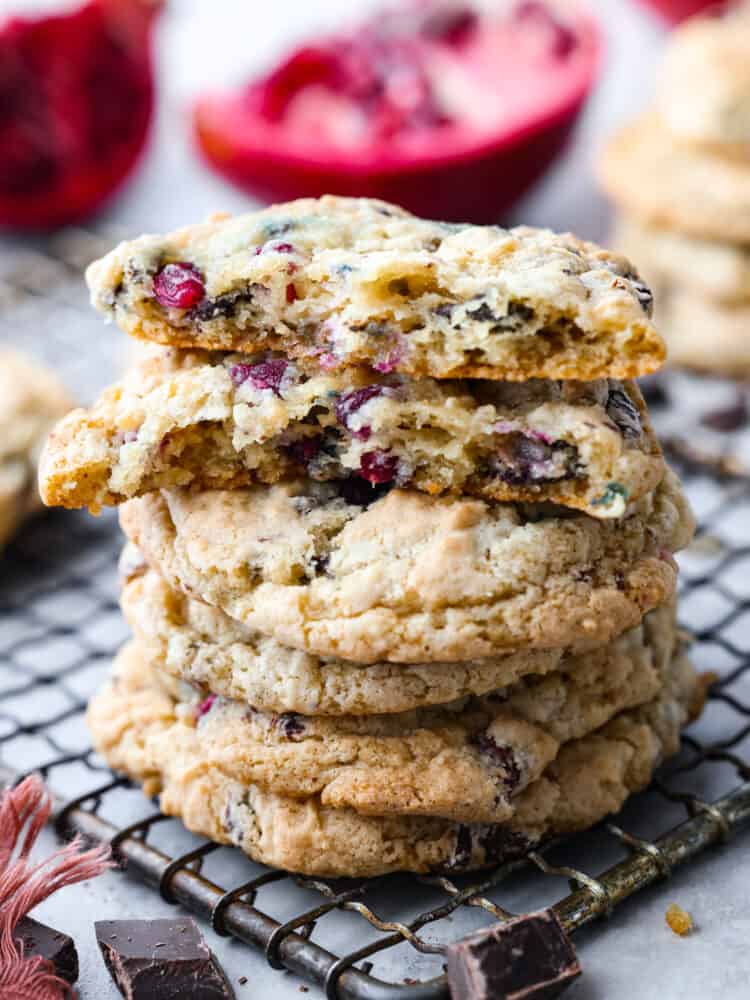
528 958
161 960
55 947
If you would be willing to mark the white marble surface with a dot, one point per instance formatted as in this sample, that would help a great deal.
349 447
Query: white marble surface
633 954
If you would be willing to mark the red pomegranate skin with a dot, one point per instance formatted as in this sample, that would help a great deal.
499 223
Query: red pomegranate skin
674 11
415 142
76 102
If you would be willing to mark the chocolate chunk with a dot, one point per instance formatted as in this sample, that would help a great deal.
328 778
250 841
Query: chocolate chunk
52 945
623 411
529 958
161 960
654 391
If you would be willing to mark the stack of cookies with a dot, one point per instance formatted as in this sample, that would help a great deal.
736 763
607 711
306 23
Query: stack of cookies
400 539
680 177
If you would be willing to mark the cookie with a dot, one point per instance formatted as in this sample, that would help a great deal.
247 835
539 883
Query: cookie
342 282
466 760
221 421
667 183
705 335
703 92
138 729
199 645
709 268
31 400
412 578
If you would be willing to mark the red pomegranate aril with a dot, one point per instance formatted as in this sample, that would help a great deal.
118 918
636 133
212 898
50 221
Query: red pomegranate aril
179 286
378 467
206 705
291 293
350 402
264 375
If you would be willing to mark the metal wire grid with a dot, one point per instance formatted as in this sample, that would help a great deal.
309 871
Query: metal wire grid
60 625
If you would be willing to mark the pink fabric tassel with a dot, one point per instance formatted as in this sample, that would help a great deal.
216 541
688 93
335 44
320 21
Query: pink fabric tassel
24 884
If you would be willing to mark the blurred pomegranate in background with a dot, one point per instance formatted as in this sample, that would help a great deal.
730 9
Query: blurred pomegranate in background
675 11
443 109
76 100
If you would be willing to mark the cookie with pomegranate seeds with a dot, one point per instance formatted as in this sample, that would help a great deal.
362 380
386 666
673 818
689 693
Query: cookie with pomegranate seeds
216 421
412 578
31 400
201 646
138 729
653 176
342 282
703 91
709 268
466 760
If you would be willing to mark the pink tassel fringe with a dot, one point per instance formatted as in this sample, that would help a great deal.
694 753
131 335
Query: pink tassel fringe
23 885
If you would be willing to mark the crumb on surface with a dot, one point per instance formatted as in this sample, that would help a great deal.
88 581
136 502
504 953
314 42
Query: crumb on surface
678 920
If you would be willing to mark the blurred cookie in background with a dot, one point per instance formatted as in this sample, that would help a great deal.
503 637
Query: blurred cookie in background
31 400
680 179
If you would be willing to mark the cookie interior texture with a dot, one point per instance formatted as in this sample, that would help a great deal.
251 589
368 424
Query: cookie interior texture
217 421
140 730
341 282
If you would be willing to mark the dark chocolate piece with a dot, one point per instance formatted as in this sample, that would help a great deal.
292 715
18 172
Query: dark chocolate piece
161 960
52 945
528 958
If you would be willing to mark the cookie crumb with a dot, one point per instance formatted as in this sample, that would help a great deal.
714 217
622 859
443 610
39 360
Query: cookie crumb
679 920
242 980
304 989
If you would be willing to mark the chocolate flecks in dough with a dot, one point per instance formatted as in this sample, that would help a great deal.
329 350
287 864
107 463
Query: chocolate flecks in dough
482 314
503 757
272 230
642 292
496 841
291 725
522 460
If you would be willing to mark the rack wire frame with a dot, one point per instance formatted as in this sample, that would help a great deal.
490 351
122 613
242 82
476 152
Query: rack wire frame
65 555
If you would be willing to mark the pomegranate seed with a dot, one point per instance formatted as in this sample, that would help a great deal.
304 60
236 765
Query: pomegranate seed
451 26
291 293
206 705
264 375
378 467
350 402
275 248
179 286
306 449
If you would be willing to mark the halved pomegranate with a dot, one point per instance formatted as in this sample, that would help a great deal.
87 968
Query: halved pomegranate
675 11
76 99
443 109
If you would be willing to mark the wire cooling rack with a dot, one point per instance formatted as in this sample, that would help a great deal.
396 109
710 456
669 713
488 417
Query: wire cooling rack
60 626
